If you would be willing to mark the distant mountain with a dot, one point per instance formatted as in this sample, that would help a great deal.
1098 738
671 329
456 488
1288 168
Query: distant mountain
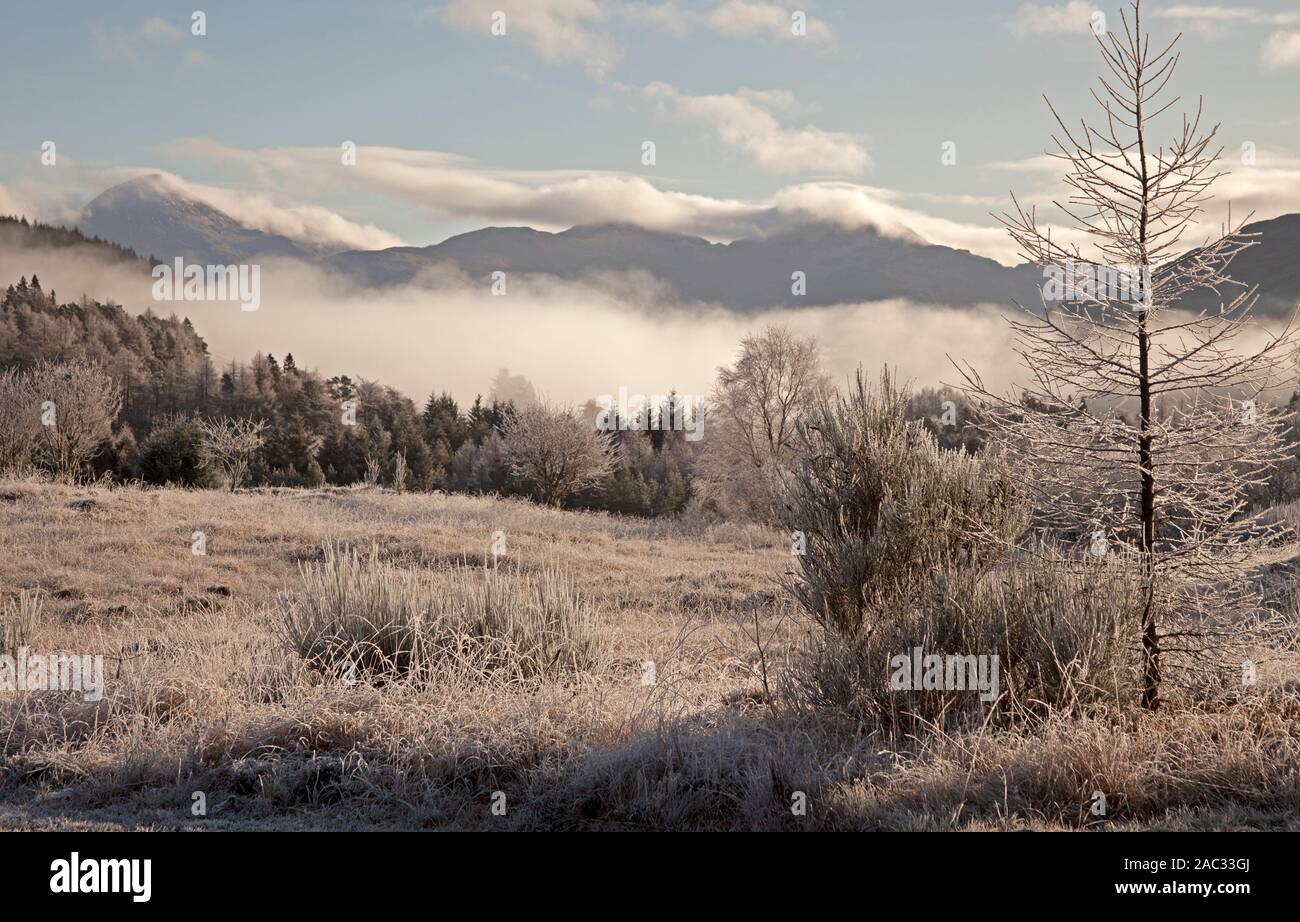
156 216
1273 264
839 266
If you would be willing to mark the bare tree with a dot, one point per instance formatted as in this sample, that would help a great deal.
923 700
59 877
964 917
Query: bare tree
1141 429
556 451
230 444
761 398
77 403
755 410
20 420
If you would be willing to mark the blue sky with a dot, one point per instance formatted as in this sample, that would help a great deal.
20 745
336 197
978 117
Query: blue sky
458 128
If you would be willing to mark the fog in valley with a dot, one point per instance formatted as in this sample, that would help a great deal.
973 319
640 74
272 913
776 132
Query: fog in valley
573 340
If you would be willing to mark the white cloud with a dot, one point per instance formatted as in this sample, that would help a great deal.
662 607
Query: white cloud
161 29
559 30
745 18
1042 163
51 195
1226 14
12 205
670 17
1282 49
1072 18
124 47
1211 19
310 224
732 18
744 120
452 188
854 207
569 31
1268 188
449 187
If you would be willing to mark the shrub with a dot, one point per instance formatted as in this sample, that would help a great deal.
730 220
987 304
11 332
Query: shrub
908 545
229 445
881 507
117 456
173 453
361 615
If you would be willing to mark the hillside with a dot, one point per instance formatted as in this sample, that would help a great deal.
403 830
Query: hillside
1273 264
160 363
20 234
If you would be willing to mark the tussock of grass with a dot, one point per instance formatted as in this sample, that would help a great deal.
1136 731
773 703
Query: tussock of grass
357 614
1063 638
18 621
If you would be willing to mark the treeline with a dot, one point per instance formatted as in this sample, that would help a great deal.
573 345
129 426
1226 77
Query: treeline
318 431
341 431
19 232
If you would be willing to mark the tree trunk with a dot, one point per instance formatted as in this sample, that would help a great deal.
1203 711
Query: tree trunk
1150 639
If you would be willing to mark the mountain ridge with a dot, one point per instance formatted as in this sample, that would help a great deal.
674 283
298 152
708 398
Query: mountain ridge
151 215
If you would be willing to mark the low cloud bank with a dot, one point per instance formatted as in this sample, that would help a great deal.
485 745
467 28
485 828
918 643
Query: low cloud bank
573 340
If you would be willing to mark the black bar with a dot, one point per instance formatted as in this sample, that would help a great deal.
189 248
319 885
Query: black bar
338 871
